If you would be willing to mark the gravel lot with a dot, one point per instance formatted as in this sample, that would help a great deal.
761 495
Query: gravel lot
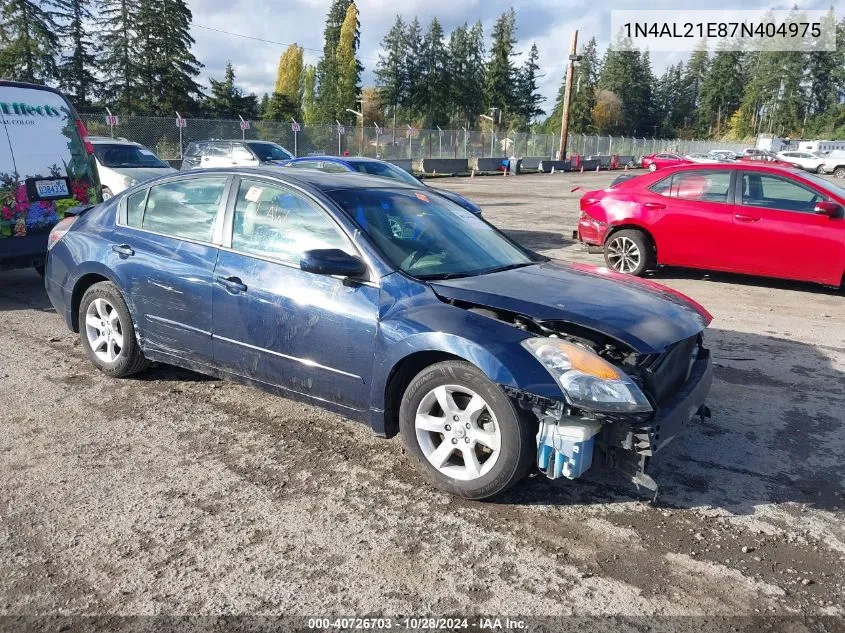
172 493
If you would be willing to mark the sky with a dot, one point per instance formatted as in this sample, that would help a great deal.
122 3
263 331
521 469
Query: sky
549 23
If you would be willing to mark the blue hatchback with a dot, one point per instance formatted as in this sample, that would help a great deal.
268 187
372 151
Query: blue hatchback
389 305
374 167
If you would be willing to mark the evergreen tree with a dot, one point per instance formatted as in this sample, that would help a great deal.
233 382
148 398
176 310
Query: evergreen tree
721 92
28 41
117 24
177 68
690 89
309 94
348 68
435 79
327 74
414 86
76 66
529 98
500 78
667 99
227 101
627 74
391 70
466 73
263 105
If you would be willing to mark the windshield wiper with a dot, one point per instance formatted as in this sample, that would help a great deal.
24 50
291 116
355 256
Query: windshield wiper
500 269
474 273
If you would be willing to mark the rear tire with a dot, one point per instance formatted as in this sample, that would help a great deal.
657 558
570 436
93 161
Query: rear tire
630 251
839 172
820 170
107 333
477 443
652 167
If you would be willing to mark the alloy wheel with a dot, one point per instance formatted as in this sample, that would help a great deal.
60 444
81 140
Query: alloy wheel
457 432
623 254
104 330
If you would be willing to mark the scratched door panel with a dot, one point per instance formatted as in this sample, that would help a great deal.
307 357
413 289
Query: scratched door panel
308 333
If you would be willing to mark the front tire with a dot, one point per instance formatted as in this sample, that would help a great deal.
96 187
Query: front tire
107 333
468 436
820 170
652 167
629 251
107 193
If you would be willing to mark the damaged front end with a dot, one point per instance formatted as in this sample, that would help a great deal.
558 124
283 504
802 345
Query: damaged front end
621 407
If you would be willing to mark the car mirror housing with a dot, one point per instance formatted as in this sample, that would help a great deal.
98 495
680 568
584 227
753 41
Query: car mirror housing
331 261
830 209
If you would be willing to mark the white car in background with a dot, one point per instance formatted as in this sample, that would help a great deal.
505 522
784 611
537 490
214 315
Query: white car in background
123 164
805 160
702 158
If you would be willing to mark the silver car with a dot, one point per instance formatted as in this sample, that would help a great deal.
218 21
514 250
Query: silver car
122 164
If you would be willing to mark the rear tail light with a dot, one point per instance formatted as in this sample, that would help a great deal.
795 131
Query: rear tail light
83 133
59 231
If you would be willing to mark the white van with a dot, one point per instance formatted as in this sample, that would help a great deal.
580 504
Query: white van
47 169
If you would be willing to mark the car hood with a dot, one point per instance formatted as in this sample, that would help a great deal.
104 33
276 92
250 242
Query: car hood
458 199
640 313
141 174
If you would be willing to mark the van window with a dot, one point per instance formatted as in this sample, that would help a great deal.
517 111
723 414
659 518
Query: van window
44 169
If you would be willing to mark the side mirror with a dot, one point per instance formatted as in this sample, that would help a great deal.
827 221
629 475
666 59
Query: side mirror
331 261
830 209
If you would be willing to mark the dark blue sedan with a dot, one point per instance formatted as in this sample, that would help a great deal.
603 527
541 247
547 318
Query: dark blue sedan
389 305
374 167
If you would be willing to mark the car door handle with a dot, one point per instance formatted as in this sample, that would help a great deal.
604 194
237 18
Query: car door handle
231 284
654 205
124 250
745 218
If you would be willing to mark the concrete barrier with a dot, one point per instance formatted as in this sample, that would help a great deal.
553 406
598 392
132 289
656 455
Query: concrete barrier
444 165
403 163
604 160
488 164
626 160
590 164
533 162
546 165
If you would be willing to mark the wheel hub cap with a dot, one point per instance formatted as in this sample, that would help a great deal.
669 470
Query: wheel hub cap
104 330
623 254
457 432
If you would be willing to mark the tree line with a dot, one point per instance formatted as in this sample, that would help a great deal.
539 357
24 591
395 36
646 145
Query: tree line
135 56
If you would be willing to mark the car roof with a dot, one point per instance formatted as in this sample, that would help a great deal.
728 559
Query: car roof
234 140
316 178
102 140
727 166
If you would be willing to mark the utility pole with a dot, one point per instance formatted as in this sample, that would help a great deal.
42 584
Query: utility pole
567 98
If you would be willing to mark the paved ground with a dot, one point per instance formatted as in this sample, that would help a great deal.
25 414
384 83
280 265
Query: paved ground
175 494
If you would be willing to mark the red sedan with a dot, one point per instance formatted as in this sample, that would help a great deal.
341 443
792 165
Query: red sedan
739 217
653 162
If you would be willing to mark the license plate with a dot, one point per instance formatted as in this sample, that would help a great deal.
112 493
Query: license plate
52 188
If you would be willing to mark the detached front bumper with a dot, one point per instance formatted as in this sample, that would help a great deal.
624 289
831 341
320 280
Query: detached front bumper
630 447
626 446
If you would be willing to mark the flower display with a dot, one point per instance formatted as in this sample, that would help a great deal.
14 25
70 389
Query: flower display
19 216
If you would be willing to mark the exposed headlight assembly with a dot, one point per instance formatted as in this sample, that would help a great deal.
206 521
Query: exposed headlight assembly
588 381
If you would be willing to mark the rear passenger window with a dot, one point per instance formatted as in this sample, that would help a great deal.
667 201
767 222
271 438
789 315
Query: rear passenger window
186 208
695 185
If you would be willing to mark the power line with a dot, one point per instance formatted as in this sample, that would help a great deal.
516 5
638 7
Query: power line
266 41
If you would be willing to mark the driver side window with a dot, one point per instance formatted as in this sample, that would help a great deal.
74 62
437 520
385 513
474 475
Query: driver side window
771 192
279 223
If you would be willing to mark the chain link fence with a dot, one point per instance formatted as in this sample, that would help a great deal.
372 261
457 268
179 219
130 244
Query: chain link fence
162 135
